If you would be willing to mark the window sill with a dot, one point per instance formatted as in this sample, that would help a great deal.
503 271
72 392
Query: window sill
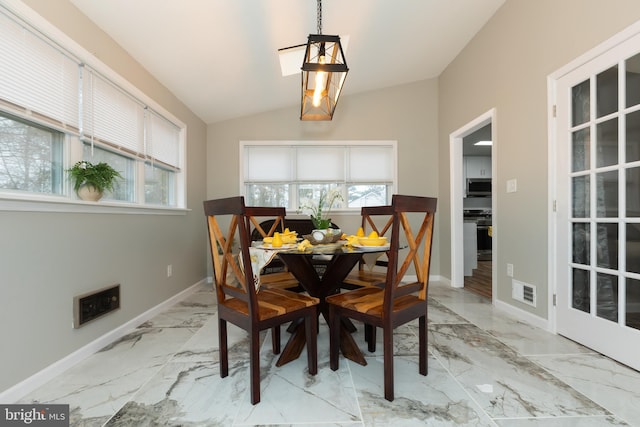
16 203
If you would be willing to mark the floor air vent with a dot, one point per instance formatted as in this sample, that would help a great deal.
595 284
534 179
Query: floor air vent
95 304
523 292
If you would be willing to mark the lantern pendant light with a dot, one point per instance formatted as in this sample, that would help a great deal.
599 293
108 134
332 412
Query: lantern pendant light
324 70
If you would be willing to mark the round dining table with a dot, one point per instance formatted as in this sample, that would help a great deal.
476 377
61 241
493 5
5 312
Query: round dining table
321 271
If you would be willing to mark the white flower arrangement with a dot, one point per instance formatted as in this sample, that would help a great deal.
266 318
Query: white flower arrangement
321 210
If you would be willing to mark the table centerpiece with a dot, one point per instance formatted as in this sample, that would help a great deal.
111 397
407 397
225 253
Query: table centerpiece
320 214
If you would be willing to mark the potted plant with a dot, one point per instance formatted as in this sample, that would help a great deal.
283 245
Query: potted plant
90 181
320 212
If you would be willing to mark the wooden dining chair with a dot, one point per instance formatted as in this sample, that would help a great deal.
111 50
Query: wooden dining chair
239 302
372 270
264 221
259 216
398 302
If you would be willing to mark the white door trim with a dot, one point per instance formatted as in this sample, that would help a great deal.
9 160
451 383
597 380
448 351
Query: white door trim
455 178
552 219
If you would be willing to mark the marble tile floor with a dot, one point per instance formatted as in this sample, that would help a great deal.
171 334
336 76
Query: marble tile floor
485 369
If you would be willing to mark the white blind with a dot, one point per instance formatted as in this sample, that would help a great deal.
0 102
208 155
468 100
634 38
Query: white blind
320 163
371 164
111 115
163 139
353 163
41 77
268 164
36 75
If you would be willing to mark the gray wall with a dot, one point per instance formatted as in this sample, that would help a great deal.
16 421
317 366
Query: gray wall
506 67
406 113
48 258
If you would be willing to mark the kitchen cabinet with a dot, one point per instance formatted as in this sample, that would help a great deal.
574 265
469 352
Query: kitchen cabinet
470 247
477 166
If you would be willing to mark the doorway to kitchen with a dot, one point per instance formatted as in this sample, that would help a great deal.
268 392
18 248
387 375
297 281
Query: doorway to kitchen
472 206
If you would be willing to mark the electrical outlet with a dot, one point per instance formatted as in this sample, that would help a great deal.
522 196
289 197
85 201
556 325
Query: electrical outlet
510 270
169 270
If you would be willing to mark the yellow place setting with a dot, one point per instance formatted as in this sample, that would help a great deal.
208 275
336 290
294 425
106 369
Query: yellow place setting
304 245
372 241
351 240
281 238
360 240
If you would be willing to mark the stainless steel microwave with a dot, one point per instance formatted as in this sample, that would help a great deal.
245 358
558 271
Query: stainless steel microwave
478 187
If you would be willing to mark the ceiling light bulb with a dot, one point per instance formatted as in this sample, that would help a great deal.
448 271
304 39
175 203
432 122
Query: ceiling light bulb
320 79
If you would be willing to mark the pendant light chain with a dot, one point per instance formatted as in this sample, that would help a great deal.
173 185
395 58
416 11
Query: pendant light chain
319 16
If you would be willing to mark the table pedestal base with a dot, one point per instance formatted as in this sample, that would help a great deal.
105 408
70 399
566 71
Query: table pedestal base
297 341
303 266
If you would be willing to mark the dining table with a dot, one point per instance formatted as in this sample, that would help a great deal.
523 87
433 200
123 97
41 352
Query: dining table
320 270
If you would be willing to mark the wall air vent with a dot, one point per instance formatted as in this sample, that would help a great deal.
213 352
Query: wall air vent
523 292
90 306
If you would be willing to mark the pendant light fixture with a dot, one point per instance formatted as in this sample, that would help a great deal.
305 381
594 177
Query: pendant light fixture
324 70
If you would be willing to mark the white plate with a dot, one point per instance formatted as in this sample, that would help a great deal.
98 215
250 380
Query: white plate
284 246
373 248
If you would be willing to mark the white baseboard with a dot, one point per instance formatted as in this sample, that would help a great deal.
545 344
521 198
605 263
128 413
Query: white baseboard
18 391
524 315
440 279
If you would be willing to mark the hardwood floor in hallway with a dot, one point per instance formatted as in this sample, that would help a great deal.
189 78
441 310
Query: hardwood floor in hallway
480 282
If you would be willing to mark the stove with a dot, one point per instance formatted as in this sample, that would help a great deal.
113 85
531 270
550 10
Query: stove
482 218
476 213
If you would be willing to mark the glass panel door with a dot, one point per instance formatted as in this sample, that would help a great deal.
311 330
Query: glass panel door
598 186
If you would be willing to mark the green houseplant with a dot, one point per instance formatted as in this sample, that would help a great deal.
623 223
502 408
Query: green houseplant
91 180
320 212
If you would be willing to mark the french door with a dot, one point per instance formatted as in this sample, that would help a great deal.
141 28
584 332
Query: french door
597 136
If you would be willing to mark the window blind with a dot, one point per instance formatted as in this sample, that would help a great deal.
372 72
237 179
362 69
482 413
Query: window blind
162 140
268 164
370 164
111 115
42 79
282 173
320 164
37 76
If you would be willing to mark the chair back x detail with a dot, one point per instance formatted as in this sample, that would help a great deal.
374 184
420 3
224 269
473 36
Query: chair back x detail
418 251
239 302
255 217
399 301
372 267
260 217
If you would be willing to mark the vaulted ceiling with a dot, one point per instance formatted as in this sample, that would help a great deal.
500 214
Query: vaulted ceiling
220 57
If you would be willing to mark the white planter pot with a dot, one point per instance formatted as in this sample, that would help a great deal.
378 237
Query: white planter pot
326 235
89 193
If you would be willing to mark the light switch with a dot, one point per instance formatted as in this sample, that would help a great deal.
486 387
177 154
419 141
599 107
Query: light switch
512 185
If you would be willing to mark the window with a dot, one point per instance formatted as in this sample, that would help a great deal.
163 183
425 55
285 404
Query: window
284 173
123 190
56 109
159 185
30 157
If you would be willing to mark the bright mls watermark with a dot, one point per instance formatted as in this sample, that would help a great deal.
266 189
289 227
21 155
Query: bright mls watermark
34 415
